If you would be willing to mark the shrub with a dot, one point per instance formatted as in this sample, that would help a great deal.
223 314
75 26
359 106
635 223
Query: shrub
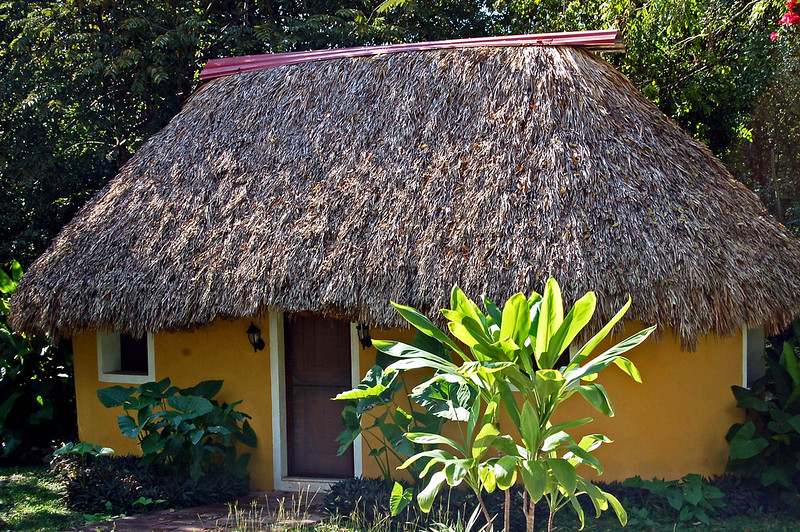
767 445
102 483
687 499
37 394
182 428
519 347
366 500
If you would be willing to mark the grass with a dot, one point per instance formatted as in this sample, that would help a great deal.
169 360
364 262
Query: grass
30 500
289 520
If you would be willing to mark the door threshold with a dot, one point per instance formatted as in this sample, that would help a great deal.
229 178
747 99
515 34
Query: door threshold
303 484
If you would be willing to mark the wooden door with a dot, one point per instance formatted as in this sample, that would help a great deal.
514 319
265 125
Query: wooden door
317 368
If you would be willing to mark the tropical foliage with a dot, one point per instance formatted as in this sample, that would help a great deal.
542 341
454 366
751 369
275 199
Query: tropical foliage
84 84
183 428
767 445
373 412
37 395
516 360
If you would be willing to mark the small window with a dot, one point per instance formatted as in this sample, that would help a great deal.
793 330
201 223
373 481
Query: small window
753 362
124 358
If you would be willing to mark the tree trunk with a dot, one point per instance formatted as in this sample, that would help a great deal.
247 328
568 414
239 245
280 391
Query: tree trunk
773 174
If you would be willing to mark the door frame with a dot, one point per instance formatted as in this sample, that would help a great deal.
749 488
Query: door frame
277 359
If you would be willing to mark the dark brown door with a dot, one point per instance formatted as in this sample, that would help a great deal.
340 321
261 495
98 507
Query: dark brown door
317 368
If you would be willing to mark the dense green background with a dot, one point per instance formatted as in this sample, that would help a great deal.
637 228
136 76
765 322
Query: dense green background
84 83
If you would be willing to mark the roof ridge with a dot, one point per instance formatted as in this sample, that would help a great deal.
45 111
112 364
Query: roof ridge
607 40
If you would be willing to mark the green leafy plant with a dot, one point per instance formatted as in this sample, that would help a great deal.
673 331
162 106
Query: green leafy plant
513 354
37 395
93 484
184 428
372 411
767 445
691 498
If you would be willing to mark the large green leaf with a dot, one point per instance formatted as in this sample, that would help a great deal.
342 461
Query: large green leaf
548 382
534 476
529 427
428 494
7 284
487 478
622 515
493 312
516 322
553 441
564 473
745 444
400 498
597 396
573 501
248 435
412 354
551 316
16 271
508 400
461 303
437 456
595 495
456 470
422 323
154 389
190 405
574 322
577 455
374 385
505 472
564 425
128 426
424 438
469 332
595 340
747 399
114 396
611 356
484 439
207 389
449 400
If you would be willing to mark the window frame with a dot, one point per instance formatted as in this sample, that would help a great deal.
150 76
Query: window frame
753 353
109 357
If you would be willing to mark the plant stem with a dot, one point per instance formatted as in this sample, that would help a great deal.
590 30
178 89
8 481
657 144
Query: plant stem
528 508
507 511
483 508
552 501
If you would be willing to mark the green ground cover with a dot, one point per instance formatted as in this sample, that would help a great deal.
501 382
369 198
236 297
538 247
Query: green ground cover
30 500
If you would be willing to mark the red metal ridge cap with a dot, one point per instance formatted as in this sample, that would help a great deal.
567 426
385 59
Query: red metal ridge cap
593 40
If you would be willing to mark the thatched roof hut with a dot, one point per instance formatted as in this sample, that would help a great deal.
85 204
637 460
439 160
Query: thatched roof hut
335 186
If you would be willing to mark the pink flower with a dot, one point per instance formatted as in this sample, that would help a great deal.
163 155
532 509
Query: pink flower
774 36
790 4
789 19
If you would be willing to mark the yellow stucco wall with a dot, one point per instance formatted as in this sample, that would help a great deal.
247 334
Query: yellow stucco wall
675 421
217 351
672 424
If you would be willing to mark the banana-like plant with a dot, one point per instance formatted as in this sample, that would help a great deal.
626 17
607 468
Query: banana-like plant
512 358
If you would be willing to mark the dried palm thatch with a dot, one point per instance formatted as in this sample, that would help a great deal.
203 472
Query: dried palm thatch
333 187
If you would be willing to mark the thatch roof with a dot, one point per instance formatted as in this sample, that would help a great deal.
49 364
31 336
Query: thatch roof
335 186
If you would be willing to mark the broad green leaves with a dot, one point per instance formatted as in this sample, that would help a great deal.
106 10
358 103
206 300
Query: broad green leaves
510 363
184 428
